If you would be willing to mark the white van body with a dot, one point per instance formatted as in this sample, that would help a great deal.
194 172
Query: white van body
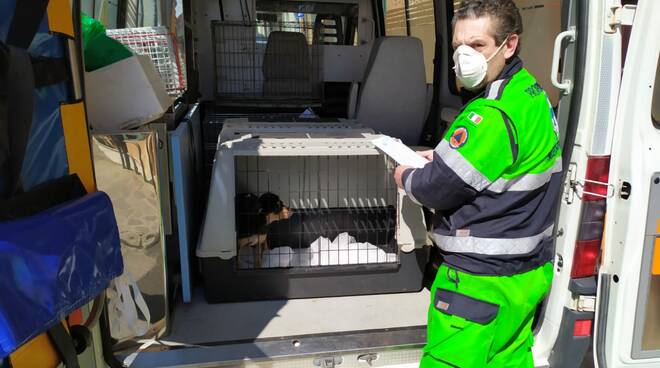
615 121
627 307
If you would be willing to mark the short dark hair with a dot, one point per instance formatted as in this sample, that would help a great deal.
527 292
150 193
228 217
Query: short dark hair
504 13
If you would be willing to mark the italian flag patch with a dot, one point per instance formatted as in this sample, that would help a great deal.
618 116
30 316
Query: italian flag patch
475 118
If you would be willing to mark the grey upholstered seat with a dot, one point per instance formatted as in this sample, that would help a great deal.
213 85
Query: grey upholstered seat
287 66
393 95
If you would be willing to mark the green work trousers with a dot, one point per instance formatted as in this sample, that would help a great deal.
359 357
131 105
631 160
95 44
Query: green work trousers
483 321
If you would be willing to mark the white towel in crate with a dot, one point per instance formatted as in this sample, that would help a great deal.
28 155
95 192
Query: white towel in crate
346 250
343 250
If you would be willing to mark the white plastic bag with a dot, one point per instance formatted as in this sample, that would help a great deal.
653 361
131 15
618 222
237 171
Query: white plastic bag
125 323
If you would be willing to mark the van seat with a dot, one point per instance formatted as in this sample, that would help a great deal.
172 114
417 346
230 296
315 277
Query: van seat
287 65
393 96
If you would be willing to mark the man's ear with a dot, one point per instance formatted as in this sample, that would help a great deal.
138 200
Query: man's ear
511 45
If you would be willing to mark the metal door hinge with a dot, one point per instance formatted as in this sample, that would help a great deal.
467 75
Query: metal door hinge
578 188
571 177
328 362
575 188
618 15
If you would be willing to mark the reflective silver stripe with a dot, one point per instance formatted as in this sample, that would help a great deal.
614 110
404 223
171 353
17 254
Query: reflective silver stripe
490 246
494 88
525 182
407 186
462 167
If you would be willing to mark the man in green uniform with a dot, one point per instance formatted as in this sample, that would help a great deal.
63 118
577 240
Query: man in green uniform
493 182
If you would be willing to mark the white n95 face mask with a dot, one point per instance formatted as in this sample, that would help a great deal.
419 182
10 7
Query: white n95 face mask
471 66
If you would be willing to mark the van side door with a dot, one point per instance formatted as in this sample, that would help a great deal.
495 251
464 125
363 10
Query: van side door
628 303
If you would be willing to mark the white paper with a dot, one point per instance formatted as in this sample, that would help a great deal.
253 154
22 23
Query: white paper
401 153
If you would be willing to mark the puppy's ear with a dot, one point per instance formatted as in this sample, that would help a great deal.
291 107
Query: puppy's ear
280 206
270 203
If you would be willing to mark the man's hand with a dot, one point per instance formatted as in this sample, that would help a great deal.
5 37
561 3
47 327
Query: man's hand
398 172
428 154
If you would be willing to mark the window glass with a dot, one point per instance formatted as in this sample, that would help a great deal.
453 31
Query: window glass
143 13
139 13
395 18
414 18
421 20
321 23
178 29
104 11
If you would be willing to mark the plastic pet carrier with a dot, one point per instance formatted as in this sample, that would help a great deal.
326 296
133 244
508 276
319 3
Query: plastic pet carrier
296 215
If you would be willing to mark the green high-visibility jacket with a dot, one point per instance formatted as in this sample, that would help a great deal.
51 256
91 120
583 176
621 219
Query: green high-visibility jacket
495 178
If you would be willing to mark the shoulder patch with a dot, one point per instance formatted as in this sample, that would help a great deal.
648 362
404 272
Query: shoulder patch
458 138
475 118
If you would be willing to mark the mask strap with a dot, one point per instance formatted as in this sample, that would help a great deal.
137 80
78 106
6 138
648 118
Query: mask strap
498 49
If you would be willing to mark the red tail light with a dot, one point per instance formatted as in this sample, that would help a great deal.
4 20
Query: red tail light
592 219
598 173
585 258
582 327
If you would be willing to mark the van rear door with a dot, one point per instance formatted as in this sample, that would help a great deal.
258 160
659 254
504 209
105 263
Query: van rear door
627 331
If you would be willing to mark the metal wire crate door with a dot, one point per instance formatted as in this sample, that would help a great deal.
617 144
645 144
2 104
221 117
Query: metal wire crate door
266 63
310 211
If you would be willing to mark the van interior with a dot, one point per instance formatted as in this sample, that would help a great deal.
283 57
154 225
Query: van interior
344 66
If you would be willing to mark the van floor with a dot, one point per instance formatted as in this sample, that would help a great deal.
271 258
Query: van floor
199 322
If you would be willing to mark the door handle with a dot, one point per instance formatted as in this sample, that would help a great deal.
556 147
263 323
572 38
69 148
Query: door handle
565 85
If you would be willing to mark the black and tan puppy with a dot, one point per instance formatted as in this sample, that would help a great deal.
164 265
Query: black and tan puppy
300 228
253 216
265 223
